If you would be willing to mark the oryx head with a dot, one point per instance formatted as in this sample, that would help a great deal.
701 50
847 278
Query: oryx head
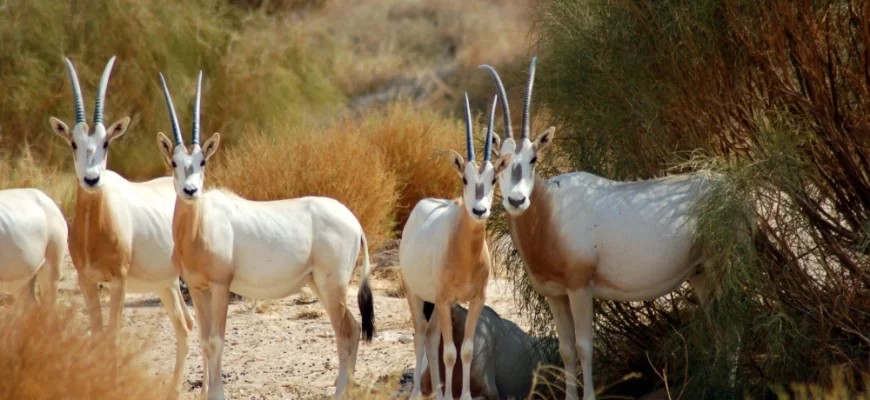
188 164
518 180
478 181
90 147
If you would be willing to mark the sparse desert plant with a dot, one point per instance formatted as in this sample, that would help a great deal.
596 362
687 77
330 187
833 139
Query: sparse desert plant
51 356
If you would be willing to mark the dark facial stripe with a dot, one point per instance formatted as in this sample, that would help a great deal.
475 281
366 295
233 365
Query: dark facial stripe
517 173
478 191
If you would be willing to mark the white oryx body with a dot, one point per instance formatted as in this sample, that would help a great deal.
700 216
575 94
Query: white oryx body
582 236
121 233
444 260
260 249
638 235
33 236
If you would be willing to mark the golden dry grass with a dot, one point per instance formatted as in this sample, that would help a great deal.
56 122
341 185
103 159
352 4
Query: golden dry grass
415 142
45 356
25 172
335 163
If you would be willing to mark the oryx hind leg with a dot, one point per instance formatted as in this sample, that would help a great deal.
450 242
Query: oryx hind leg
333 296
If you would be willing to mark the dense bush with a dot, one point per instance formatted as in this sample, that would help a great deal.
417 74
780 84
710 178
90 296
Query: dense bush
773 94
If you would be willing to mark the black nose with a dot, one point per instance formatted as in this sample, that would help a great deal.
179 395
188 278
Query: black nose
516 203
92 182
478 212
189 192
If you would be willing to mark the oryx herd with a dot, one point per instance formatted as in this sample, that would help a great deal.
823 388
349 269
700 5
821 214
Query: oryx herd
579 235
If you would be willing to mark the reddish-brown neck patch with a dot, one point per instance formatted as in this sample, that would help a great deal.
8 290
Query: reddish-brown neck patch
95 244
466 271
191 247
541 245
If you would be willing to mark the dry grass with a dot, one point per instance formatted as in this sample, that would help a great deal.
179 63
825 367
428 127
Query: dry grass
415 142
52 357
388 39
25 172
335 163
309 313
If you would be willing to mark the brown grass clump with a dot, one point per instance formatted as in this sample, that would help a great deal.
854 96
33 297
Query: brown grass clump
335 163
45 356
309 313
415 142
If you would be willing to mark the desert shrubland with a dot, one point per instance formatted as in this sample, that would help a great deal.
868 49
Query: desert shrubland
49 355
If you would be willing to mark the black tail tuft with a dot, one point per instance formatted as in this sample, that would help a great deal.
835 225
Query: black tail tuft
366 310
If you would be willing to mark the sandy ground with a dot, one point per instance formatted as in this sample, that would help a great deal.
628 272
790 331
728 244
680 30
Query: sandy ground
285 349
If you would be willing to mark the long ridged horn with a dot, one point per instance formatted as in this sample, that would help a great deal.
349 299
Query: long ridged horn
175 129
77 92
469 135
196 103
527 103
99 104
508 132
489 125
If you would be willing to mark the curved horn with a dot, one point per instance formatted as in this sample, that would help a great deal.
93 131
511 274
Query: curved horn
469 135
504 103
196 103
527 103
176 131
101 92
487 150
77 92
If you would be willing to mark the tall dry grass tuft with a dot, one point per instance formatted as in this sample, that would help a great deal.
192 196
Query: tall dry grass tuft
25 172
334 162
415 142
51 356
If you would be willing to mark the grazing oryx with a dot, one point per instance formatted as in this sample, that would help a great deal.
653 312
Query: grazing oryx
444 260
260 249
505 357
582 236
121 230
32 244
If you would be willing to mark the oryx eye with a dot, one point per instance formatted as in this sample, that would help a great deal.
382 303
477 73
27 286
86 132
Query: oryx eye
534 159
464 181
106 144
202 164
493 181
74 146
174 165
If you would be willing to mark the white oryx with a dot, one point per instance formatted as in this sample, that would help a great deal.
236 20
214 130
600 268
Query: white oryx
32 244
445 260
260 249
121 232
582 236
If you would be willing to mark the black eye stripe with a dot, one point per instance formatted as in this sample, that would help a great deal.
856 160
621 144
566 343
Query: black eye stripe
464 181
106 144
74 146
174 165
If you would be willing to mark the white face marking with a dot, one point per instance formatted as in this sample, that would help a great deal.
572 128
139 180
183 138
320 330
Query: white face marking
90 151
477 189
188 171
517 180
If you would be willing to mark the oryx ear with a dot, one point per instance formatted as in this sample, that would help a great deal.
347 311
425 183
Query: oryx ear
60 128
544 139
118 128
211 145
166 147
496 143
502 163
457 162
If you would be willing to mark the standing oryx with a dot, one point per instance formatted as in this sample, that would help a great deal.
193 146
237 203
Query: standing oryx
260 249
32 244
445 260
582 236
121 232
